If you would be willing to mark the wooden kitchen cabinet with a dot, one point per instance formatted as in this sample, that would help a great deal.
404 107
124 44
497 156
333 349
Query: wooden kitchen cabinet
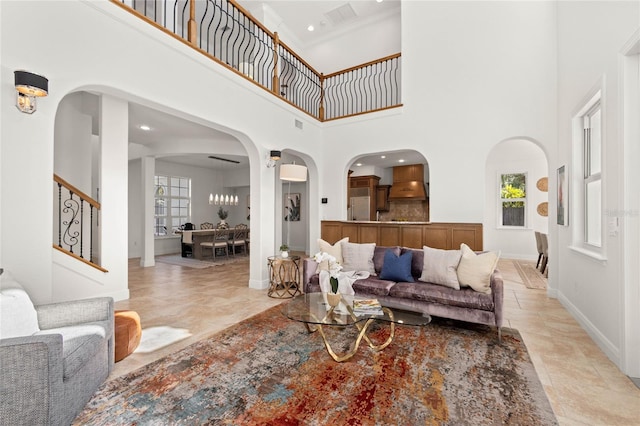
409 173
382 198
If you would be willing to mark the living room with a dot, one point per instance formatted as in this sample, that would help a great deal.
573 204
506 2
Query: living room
503 69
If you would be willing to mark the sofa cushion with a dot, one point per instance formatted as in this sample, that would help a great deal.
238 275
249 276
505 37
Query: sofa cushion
334 250
18 317
378 256
79 344
434 293
358 257
417 260
440 267
396 268
475 270
373 285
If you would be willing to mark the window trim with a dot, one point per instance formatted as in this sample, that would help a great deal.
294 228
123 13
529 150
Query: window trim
168 207
578 215
524 200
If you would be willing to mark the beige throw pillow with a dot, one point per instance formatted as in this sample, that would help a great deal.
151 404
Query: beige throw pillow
358 257
334 250
475 270
440 267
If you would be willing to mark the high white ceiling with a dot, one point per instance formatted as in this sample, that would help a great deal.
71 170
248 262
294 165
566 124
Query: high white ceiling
329 17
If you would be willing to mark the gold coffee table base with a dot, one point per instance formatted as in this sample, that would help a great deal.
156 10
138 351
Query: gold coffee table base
362 334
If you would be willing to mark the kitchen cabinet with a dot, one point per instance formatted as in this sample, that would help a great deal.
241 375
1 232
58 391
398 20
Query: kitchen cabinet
409 173
382 198
446 236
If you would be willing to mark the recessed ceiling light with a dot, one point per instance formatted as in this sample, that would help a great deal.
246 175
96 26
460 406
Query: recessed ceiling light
310 28
379 1
358 164
401 161
145 127
383 156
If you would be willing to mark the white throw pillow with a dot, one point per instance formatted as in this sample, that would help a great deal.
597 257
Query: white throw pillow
440 267
334 250
358 257
18 317
475 270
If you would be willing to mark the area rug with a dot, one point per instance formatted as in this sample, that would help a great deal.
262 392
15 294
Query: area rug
198 264
531 276
269 370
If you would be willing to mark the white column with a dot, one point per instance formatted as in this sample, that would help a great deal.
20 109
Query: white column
148 242
114 144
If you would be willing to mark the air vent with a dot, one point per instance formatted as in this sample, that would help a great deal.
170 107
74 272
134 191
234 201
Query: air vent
298 124
341 14
224 159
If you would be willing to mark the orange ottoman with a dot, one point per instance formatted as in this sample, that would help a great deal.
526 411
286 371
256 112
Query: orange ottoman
128 333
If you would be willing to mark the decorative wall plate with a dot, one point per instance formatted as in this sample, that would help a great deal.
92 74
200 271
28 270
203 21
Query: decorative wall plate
543 184
543 209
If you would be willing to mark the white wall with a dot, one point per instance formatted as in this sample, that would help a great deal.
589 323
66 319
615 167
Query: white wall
588 52
116 39
515 156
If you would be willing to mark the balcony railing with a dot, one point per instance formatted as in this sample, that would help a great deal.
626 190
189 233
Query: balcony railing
228 34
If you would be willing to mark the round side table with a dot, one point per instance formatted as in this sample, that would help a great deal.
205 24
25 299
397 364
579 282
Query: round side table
284 276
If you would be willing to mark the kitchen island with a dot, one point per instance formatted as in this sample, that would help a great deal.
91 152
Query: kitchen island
445 236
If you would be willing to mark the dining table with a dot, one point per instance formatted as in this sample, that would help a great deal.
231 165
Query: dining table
196 237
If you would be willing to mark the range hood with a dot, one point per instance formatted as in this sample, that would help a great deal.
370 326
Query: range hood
408 183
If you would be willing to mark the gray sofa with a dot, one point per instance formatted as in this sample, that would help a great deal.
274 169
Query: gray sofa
48 376
465 304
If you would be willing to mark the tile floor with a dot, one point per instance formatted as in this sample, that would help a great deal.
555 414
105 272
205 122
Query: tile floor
583 386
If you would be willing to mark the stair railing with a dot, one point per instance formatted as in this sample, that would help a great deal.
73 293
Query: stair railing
76 222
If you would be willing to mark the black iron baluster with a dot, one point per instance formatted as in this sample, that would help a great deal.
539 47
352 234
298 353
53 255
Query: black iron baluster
91 233
59 215
81 226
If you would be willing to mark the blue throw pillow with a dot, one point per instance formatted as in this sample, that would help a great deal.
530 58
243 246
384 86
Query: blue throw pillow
397 268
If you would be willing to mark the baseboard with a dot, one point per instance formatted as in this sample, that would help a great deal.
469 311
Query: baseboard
600 339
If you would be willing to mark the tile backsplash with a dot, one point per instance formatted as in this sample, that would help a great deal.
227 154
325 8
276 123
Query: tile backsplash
411 211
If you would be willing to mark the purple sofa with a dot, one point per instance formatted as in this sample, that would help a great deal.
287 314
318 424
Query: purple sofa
465 304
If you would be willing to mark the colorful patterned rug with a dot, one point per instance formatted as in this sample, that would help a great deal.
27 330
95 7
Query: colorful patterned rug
268 370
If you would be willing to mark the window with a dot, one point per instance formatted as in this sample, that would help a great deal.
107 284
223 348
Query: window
513 199
172 202
592 174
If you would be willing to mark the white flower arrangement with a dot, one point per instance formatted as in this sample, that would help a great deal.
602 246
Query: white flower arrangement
334 268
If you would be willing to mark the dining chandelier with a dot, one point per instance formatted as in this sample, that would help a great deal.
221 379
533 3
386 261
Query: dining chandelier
223 200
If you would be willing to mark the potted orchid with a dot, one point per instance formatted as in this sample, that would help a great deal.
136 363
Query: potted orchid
334 268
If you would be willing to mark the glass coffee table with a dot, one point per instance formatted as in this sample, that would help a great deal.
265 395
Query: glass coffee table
313 310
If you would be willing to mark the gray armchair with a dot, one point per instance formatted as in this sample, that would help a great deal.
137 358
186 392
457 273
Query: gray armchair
48 376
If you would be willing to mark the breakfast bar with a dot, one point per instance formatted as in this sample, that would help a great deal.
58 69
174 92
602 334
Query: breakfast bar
440 235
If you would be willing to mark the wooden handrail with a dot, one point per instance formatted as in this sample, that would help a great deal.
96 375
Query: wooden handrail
366 64
81 259
76 191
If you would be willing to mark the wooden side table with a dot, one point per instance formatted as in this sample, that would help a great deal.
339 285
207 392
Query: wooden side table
284 276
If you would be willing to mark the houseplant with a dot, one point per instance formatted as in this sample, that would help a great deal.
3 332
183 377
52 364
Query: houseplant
333 268
222 214
284 250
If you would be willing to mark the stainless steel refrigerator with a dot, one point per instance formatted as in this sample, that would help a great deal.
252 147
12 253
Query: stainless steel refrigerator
360 208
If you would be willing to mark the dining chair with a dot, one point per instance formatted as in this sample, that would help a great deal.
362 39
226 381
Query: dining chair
219 241
539 248
186 242
239 238
545 253
206 225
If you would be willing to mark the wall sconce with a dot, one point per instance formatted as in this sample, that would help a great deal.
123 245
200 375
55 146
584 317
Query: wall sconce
273 157
29 86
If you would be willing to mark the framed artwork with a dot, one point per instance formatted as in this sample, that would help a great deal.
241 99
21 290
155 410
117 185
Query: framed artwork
563 198
292 207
